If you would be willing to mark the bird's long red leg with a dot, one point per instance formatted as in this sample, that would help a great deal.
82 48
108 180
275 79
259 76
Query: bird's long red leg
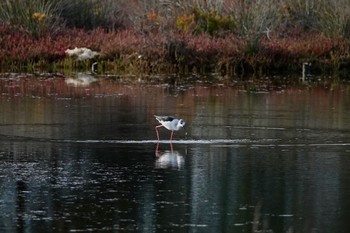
157 131
171 136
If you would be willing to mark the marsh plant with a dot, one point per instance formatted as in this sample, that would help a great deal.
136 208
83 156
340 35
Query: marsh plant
37 17
244 17
155 35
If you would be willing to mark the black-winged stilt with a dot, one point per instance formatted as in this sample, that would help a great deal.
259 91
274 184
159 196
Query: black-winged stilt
170 123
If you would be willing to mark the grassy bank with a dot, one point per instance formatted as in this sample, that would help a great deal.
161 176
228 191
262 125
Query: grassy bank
228 37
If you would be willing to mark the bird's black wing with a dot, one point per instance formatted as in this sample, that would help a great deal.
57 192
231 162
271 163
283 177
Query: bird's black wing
165 118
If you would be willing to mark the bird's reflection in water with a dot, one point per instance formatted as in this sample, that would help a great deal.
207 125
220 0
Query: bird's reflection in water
169 159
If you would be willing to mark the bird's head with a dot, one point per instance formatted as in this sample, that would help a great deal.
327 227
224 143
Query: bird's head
181 123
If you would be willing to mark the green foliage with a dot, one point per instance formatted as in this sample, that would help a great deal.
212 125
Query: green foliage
37 17
201 21
186 23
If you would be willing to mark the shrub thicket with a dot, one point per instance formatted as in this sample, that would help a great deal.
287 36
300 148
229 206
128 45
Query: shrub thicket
246 18
230 35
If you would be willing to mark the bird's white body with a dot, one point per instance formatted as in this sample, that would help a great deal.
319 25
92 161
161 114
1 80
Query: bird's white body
170 123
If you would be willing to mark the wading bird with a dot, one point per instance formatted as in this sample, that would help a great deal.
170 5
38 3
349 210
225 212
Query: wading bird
170 123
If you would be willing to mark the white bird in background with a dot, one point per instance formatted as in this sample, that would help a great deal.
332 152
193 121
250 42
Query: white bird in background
170 123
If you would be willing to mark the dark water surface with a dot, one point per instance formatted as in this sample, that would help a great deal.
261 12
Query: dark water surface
80 157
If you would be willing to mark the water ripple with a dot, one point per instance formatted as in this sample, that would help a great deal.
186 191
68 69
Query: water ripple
270 142
190 141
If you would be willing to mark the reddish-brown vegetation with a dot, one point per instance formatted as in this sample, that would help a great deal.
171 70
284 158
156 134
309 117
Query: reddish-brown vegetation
134 52
158 36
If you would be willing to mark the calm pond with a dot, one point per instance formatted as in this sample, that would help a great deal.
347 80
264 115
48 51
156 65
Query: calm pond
80 155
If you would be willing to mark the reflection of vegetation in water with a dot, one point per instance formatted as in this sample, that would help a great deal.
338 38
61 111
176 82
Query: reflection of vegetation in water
87 84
